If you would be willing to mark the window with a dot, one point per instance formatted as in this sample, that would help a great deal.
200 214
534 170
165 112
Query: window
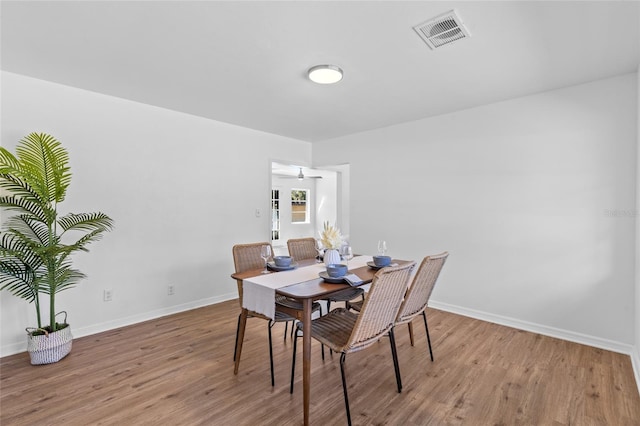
299 206
275 214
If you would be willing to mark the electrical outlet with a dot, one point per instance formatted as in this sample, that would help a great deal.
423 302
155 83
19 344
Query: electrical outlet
107 295
171 290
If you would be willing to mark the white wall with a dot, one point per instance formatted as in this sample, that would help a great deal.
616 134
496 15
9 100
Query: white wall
531 198
326 200
181 189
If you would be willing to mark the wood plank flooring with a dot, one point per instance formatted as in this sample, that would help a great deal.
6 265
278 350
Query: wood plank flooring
178 370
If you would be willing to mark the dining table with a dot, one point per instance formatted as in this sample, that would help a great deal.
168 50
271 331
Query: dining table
306 286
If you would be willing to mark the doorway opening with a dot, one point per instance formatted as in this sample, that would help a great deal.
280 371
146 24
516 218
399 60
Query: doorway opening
303 199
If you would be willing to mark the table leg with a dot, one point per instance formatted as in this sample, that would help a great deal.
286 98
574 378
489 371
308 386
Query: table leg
241 326
306 357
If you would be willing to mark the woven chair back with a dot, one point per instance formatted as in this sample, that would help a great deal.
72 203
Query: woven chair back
381 306
247 257
419 292
302 248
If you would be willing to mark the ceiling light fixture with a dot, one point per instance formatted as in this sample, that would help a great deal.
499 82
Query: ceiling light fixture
325 74
300 175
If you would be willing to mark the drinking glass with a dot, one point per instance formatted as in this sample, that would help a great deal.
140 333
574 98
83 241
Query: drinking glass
265 254
382 247
347 254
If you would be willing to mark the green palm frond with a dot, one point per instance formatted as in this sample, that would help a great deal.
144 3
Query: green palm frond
86 222
17 178
8 162
84 241
65 278
17 283
17 187
29 227
13 247
19 266
24 205
45 166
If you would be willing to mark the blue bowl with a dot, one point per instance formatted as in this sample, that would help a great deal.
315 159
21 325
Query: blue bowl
336 270
382 261
282 261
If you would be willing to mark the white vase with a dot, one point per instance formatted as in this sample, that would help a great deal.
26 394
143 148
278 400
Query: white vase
331 256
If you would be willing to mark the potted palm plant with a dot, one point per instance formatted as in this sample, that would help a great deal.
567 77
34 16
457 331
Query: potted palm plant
36 242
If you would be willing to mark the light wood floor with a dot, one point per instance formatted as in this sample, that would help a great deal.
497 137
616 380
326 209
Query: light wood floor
178 370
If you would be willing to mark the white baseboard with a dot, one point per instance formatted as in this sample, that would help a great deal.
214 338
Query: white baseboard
14 348
635 362
571 336
18 347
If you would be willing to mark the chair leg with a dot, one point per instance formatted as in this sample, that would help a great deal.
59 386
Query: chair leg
410 325
286 326
344 388
236 345
293 361
396 365
424 316
328 311
322 344
273 381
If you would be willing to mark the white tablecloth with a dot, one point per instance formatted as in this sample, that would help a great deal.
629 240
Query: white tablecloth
258 293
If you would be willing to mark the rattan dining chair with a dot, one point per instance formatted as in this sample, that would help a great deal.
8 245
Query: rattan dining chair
418 294
302 248
247 257
346 332
305 248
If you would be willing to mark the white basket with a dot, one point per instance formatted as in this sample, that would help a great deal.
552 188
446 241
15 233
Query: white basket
49 347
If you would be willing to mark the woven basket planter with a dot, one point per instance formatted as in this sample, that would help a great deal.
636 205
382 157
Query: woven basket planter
49 347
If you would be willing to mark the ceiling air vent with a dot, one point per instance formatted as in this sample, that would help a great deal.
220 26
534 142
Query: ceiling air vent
442 30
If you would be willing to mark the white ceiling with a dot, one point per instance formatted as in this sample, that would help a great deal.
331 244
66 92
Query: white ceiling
245 62
292 171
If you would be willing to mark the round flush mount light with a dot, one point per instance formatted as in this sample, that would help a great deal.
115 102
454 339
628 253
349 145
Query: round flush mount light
325 74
